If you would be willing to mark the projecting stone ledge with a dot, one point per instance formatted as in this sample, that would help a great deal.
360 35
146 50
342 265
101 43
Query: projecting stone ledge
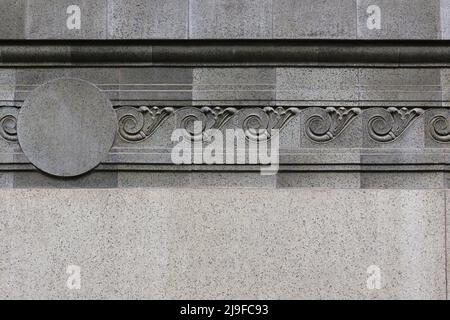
321 53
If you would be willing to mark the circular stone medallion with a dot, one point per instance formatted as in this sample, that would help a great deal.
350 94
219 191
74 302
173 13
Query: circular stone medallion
66 127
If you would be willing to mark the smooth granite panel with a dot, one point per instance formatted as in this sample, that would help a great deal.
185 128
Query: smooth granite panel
421 87
210 244
232 180
6 179
230 19
225 19
412 19
402 180
332 179
7 85
148 19
445 19
12 19
153 179
107 79
327 19
324 85
57 19
234 85
36 179
448 237
28 79
445 87
165 85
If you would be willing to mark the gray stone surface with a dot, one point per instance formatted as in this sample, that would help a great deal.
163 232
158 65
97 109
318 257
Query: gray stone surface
412 19
232 180
210 244
233 85
445 19
402 180
445 87
106 79
332 179
220 19
152 179
335 208
447 237
195 179
6 179
7 85
235 19
12 19
33 179
324 85
383 86
314 19
159 85
66 127
144 19
48 19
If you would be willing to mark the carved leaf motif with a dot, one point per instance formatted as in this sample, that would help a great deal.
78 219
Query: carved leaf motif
137 124
326 126
258 123
281 116
390 124
220 115
211 118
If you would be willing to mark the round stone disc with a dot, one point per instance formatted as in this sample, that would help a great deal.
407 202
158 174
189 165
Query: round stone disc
66 127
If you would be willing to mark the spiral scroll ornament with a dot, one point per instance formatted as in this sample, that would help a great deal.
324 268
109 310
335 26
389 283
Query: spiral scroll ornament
388 125
137 124
326 125
440 128
8 123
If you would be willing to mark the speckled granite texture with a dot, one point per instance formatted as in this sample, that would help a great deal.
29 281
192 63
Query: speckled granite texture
219 19
357 210
211 244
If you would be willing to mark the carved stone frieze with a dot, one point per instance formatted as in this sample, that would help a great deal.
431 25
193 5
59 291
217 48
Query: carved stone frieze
138 123
388 124
327 124
8 123
439 128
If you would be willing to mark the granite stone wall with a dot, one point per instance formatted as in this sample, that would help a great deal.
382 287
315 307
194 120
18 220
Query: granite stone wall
358 89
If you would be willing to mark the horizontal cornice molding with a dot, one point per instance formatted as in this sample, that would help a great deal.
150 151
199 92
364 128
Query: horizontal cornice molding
320 136
240 53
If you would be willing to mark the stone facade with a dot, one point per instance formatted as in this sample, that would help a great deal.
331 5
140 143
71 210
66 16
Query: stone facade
87 179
